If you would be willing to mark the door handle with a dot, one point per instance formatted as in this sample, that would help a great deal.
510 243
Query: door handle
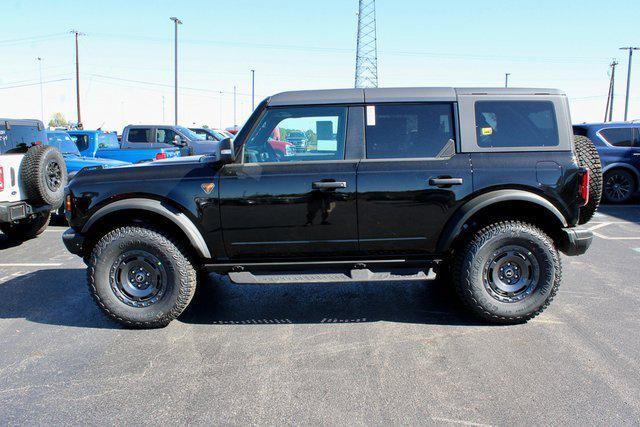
445 182
328 185
636 154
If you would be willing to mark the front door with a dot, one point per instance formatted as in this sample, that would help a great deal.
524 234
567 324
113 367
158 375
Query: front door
412 180
298 205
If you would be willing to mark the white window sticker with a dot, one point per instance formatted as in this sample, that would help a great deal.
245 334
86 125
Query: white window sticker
371 115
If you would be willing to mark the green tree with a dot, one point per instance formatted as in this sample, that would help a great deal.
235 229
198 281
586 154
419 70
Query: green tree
58 120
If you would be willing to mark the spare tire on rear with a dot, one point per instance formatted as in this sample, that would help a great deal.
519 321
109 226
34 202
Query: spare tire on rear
44 175
589 158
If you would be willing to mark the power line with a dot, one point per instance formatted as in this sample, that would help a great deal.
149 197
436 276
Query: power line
35 84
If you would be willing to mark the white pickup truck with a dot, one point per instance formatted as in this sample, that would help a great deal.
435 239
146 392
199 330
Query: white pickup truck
32 179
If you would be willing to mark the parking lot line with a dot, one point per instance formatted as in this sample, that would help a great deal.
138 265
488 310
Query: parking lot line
34 264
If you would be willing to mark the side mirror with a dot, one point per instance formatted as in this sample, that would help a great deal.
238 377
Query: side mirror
179 141
226 151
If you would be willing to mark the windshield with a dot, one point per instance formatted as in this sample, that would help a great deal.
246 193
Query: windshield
63 142
188 133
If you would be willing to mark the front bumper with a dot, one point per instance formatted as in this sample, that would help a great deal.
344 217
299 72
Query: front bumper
74 242
575 241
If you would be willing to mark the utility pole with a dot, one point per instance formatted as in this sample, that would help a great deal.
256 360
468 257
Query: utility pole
41 91
162 109
77 33
626 102
367 45
253 90
506 79
177 22
234 107
608 111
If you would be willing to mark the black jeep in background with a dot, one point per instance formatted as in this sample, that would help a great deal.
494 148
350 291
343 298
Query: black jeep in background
485 186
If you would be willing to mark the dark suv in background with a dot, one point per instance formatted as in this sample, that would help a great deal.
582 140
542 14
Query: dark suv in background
618 144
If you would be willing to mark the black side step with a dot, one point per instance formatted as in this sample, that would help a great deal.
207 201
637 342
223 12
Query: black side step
356 275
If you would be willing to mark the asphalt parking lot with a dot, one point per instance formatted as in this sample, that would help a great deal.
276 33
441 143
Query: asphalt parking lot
357 353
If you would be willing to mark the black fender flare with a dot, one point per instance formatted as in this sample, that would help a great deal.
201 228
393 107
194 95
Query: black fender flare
462 215
172 214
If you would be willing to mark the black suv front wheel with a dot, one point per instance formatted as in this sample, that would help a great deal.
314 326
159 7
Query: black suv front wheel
507 272
141 277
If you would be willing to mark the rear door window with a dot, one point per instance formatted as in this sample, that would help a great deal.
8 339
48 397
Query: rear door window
140 135
516 124
619 137
81 140
19 135
410 131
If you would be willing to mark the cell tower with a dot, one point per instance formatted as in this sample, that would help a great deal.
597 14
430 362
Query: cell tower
367 50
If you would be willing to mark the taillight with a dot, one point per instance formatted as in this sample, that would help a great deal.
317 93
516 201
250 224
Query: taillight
37 143
1 178
67 203
161 156
584 186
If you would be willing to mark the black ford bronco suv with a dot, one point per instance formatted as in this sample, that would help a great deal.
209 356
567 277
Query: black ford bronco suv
485 186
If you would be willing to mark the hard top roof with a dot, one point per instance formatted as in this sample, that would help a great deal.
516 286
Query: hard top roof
404 94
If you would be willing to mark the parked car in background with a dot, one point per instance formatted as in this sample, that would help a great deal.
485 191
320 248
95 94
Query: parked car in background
298 139
208 134
32 178
618 144
104 145
162 136
73 159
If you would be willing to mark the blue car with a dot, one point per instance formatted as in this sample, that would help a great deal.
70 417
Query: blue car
72 157
618 144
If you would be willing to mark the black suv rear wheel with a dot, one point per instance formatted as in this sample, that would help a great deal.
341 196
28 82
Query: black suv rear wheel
507 272
140 277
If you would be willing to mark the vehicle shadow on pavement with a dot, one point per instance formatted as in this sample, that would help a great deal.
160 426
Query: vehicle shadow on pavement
60 297
6 243
625 212
52 297
429 302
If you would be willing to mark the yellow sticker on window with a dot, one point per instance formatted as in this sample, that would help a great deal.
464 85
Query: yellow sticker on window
487 131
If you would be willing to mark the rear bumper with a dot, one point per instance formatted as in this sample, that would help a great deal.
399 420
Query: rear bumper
74 242
575 241
14 211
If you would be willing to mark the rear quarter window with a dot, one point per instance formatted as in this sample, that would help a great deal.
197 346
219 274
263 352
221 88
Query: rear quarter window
620 137
516 124
139 135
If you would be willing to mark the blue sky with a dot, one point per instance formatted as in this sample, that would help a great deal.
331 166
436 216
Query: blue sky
127 54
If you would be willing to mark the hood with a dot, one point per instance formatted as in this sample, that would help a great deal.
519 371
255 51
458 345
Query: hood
75 163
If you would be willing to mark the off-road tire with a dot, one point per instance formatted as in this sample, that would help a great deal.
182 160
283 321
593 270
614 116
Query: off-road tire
26 229
470 267
589 158
44 175
179 267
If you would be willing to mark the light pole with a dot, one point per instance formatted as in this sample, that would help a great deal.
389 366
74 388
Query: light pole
626 101
78 33
177 22
253 90
41 91
506 79
234 107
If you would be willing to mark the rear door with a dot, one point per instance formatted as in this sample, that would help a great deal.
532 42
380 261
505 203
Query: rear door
412 179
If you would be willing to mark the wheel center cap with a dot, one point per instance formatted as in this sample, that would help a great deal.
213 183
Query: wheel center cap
140 277
508 273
